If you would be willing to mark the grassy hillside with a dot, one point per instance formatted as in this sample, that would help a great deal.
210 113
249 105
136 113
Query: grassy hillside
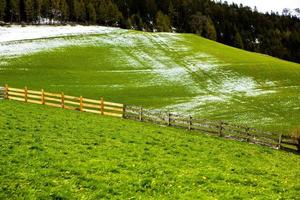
178 72
52 153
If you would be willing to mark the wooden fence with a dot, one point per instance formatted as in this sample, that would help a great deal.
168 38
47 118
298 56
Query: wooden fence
221 129
1 93
60 100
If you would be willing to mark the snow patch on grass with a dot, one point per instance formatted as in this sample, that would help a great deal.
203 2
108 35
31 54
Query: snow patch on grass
222 92
240 86
193 105
14 49
203 62
3 63
15 33
88 86
18 41
17 69
137 40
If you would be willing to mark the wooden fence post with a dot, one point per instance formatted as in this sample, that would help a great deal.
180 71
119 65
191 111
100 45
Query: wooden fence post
221 129
169 119
43 97
6 91
62 100
124 111
190 122
102 106
81 103
25 94
141 114
247 133
279 141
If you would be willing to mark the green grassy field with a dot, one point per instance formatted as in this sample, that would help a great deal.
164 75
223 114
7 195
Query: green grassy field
49 153
181 73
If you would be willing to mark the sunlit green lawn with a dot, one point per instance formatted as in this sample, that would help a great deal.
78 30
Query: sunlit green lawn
49 153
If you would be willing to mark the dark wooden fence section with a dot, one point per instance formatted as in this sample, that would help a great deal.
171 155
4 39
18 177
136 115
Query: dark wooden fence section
221 129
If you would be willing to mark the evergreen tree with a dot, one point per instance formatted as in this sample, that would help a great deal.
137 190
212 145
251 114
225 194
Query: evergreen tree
55 12
91 13
163 23
238 42
37 5
151 9
171 12
196 23
2 9
136 22
46 9
64 10
14 9
108 13
29 12
209 30
79 10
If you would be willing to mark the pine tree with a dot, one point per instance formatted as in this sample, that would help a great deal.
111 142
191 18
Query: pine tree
136 22
163 23
55 12
37 9
91 13
151 9
108 13
196 23
209 29
29 12
76 9
79 10
14 11
238 42
2 9
64 9
171 12
45 9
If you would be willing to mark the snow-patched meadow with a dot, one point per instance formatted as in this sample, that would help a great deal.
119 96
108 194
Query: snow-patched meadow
176 72
16 32
17 40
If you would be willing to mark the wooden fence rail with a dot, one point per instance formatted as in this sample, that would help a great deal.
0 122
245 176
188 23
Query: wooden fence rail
1 93
60 100
220 129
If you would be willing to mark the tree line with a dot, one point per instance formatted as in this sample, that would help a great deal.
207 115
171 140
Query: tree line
234 25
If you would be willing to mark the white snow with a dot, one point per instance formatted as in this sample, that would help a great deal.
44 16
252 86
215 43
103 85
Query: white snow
7 69
202 61
88 86
29 47
13 33
242 85
3 63
194 105
17 40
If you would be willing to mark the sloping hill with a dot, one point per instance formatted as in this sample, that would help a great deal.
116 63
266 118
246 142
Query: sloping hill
178 72
52 153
